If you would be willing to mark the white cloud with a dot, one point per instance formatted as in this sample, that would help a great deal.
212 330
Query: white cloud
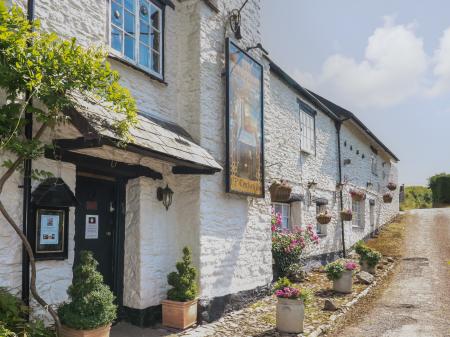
441 62
391 71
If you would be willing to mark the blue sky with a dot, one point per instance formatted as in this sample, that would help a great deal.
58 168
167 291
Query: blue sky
386 61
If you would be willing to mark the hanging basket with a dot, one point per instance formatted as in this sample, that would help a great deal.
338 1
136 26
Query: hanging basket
358 196
346 216
387 198
323 219
280 191
391 186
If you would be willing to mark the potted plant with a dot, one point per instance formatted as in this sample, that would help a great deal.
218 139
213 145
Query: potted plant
341 273
290 306
280 191
387 198
91 309
180 309
391 186
368 258
346 215
357 195
323 218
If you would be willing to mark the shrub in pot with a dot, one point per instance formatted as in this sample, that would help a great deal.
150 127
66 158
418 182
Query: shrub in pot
91 309
341 273
368 258
290 307
180 309
346 215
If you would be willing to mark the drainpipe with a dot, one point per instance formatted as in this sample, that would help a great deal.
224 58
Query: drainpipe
338 124
27 188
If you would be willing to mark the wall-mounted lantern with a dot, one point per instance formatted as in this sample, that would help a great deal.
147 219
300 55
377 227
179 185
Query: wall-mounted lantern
165 195
369 184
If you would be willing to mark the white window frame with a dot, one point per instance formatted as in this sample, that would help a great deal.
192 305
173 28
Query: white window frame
359 214
307 129
135 62
285 213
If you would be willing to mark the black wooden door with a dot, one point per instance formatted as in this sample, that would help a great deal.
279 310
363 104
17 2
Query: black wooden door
95 223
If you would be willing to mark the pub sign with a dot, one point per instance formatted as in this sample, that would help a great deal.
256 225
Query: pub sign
244 123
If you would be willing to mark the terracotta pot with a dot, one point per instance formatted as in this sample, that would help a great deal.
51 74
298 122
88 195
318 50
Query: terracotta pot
180 315
99 332
290 315
365 267
344 283
323 219
387 199
280 192
346 216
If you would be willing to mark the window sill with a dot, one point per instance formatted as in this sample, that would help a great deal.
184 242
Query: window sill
357 227
135 67
307 152
321 235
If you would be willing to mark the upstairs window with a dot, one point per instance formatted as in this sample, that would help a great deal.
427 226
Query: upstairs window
374 165
136 33
307 128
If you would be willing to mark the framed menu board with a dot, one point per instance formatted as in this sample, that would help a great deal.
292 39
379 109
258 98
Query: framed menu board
51 233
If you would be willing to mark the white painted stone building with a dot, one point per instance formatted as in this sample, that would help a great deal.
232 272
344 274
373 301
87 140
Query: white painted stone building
181 95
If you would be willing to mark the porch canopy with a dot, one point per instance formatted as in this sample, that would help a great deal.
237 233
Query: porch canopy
93 142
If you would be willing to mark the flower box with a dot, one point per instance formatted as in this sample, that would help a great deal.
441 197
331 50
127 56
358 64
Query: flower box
179 315
391 186
280 191
387 198
346 215
290 315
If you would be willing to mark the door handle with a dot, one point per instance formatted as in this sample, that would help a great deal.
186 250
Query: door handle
108 233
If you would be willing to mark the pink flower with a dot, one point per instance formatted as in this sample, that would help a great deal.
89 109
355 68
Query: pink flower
350 265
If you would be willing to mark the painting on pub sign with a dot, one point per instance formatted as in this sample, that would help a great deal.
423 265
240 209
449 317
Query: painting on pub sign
245 148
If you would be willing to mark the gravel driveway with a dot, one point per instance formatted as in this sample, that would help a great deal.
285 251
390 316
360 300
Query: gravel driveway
417 301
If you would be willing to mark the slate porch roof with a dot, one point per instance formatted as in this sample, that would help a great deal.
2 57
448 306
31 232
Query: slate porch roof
155 137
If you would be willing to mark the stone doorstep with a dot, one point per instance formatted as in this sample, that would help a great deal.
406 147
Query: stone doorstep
335 318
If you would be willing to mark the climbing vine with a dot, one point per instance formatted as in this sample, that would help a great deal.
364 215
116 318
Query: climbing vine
40 74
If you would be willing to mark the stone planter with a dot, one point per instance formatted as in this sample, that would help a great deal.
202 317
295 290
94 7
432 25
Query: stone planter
387 198
323 219
346 216
180 315
344 283
290 315
99 332
365 267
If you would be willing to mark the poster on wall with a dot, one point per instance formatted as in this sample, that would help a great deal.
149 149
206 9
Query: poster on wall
91 231
244 112
50 231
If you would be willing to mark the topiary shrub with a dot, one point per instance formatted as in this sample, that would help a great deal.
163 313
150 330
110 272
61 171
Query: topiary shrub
183 282
92 302
369 255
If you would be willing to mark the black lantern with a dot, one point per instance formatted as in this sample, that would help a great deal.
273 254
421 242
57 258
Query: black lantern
165 195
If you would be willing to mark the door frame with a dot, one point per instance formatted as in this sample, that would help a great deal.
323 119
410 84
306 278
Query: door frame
118 244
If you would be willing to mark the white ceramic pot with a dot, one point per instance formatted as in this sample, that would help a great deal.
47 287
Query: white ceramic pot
344 283
290 315
365 267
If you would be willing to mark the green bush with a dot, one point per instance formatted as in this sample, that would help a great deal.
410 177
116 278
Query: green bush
417 197
92 302
440 186
282 283
371 256
183 282
334 270
13 322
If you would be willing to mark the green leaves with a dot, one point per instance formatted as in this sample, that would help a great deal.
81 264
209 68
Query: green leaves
51 69
92 303
183 282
